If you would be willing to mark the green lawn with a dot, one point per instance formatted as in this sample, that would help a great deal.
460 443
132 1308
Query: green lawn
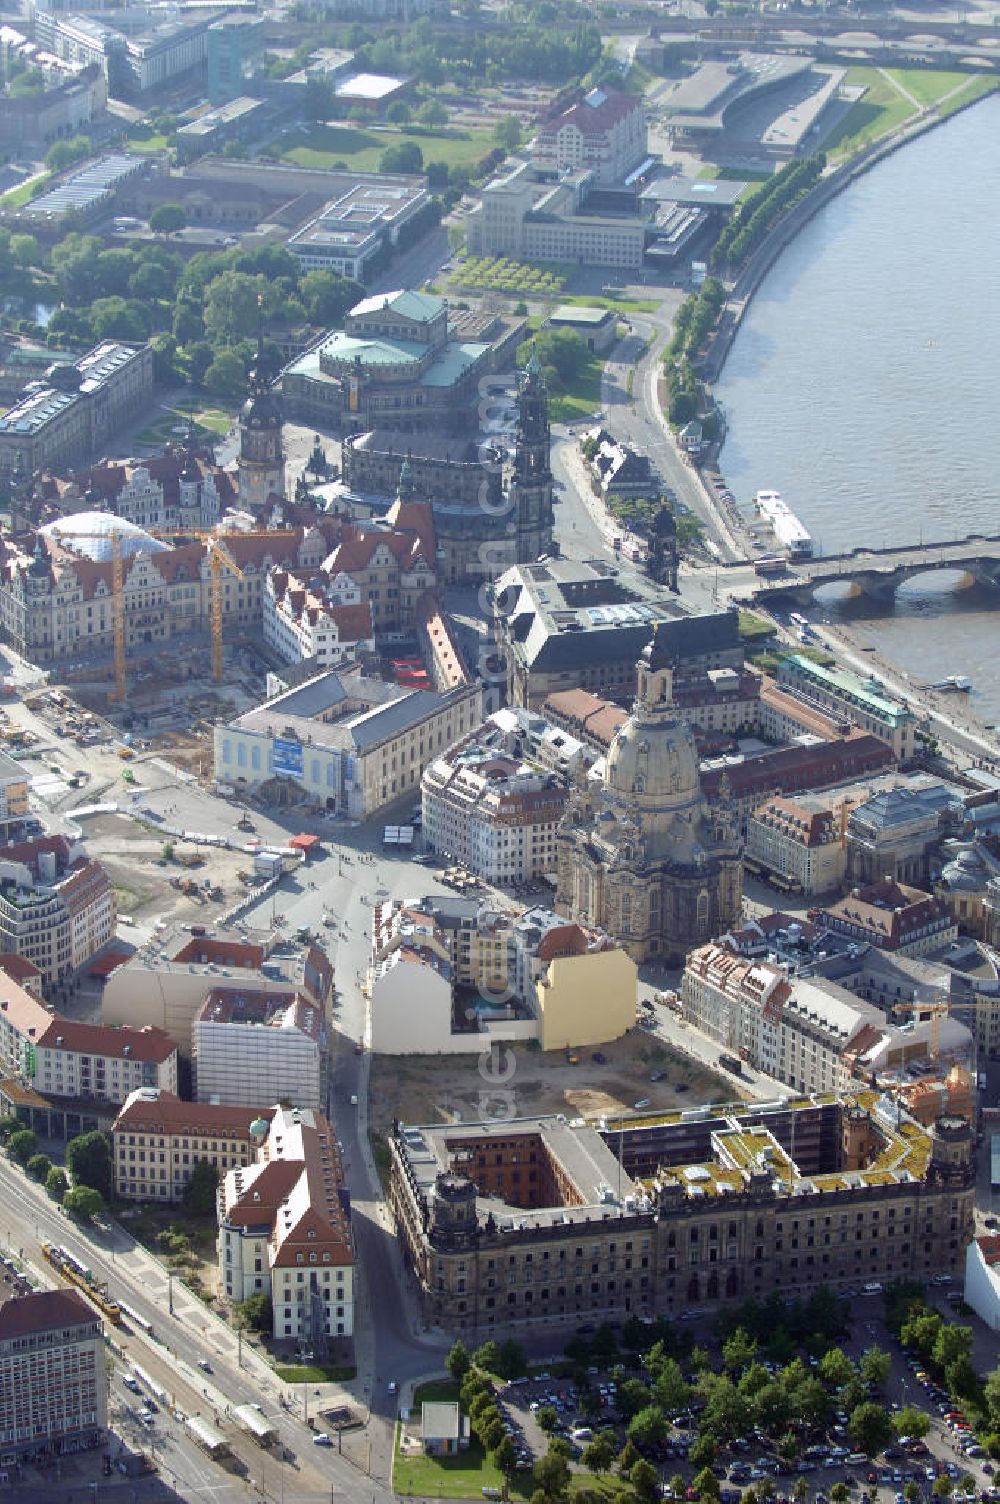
15 197
927 84
209 423
620 305
884 108
459 1477
977 87
147 143
360 147
582 398
752 626
313 1373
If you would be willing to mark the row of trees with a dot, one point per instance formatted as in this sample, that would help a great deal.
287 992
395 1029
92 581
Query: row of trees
88 1158
535 50
696 318
761 209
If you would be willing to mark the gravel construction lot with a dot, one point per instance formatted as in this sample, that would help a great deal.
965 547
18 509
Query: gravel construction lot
440 1089
133 858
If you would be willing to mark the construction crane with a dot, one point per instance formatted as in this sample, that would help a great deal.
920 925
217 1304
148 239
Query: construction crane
219 559
941 1008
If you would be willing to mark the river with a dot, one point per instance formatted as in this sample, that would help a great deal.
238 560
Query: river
863 386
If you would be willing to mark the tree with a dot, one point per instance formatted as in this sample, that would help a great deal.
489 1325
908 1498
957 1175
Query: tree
511 1360
645 1480
167 219
398 112
911 1493
225 375
83 1202
256 1313
200 1193
38 1167
57 1183
150 282
942 1486
505 1455
406 156
801 1490
706 1483
739 1350
327 297
487 1356
912 1421
870 1428
599 1453
547 1417
951 1344
64 153
703 1452
88 1158
432 112
836 1368
491 1432
670 1389
458 1361
631 1397
647 1427
677 1485
508 133
22 1145
10 1124
552 1474
875 1366
840 1493
24 250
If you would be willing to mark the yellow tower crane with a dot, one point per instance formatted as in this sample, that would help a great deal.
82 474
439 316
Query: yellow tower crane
218 558
935 1010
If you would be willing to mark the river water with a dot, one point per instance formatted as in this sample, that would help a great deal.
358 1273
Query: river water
864 386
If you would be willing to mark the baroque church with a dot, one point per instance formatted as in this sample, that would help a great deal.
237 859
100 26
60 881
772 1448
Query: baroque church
643 854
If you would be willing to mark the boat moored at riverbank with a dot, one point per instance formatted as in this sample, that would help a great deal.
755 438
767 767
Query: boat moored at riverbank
786 527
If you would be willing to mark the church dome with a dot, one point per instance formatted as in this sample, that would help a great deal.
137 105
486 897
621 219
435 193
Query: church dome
91 534
655 759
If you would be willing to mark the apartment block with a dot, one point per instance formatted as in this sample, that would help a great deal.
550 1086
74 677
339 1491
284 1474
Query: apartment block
799 841
285 1230
57 908
158 1140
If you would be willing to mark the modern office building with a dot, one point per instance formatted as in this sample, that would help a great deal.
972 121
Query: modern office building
358 223
53 1378
517 1224
234 47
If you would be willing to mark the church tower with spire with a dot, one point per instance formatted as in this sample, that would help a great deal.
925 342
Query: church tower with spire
261 465
531 485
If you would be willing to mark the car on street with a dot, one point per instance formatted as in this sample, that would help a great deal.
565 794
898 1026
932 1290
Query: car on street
642 1102
204 1365
322 1440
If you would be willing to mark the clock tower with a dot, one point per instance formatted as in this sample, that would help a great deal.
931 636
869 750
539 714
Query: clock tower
261 465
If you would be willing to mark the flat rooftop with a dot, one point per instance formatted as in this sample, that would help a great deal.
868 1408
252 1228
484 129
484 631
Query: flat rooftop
370 87
85 188
701 102
702 193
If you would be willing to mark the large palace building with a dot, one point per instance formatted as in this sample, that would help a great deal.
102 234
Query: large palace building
518 1222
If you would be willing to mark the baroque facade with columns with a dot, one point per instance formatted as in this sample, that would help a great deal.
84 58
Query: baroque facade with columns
642 853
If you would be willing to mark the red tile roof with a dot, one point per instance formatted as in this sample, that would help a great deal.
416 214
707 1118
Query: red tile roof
149 1044
168 1114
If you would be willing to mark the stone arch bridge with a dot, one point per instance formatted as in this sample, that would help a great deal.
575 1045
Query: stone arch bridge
879 572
